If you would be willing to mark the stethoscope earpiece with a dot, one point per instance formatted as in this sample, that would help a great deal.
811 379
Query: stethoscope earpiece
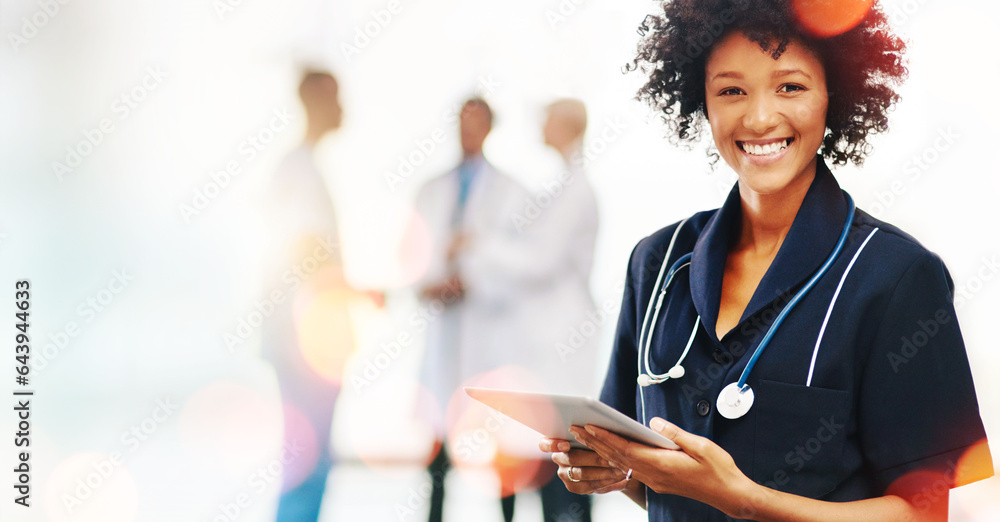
645 380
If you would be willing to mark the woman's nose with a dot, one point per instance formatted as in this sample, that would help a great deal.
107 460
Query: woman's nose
761 114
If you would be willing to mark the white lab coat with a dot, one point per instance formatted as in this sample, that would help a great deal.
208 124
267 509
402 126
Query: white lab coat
298 207
548 337
473 335
557 322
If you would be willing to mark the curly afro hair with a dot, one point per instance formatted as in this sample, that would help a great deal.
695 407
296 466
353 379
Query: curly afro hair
862 66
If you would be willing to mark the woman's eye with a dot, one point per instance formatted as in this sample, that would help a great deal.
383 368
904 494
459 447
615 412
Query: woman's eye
791 87
732 91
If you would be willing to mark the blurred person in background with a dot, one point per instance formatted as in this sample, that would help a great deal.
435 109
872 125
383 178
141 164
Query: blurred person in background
308 335
555 319
466 216
559 317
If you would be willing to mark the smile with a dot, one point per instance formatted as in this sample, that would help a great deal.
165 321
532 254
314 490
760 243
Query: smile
764 147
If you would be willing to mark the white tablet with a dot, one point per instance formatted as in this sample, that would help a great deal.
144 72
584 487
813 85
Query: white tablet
552 415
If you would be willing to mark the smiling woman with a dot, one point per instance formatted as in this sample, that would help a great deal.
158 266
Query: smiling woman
765 112
795 405
861 66
767 117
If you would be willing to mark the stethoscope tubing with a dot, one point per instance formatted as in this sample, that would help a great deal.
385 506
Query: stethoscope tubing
684 260
798 296
645 339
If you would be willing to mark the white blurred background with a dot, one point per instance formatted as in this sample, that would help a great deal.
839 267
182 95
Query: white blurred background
133 295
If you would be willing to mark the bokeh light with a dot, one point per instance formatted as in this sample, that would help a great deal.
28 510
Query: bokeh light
480 436
411 437
415 250
324 330
300 450
976 464
923 488
91 487
825 18
230 427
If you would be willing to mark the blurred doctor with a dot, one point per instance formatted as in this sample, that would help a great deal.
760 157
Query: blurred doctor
559 227
550 336
465 230
304 267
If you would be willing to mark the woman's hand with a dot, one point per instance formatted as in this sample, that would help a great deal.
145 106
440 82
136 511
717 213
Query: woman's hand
700 470
583 471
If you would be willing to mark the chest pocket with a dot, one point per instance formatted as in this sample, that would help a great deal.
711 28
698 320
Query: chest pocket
799 437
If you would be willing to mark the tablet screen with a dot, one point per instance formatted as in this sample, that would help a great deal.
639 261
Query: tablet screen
552 415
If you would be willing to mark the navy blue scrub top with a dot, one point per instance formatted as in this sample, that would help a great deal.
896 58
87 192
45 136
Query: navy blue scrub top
891 392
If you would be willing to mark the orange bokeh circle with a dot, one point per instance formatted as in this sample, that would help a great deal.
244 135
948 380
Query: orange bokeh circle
826 18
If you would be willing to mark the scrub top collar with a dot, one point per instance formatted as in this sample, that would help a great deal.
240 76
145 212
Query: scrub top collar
810 240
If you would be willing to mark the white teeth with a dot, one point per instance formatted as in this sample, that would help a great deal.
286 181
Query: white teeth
761 150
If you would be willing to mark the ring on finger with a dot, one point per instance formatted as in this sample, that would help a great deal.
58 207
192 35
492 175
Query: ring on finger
628 476
569 475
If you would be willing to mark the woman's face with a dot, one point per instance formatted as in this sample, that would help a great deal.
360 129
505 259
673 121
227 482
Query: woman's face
767 116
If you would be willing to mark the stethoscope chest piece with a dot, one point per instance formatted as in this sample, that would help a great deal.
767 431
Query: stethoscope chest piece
734 402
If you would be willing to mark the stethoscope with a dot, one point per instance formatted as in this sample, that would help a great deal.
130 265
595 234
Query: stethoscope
735 399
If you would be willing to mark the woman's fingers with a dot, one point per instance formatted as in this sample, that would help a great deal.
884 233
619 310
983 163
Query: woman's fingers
606 444
580 457
615 486
592 474
690 443
586 487
553 445
583 471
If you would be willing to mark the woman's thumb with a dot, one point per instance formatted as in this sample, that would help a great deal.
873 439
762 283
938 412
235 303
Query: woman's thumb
669 430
